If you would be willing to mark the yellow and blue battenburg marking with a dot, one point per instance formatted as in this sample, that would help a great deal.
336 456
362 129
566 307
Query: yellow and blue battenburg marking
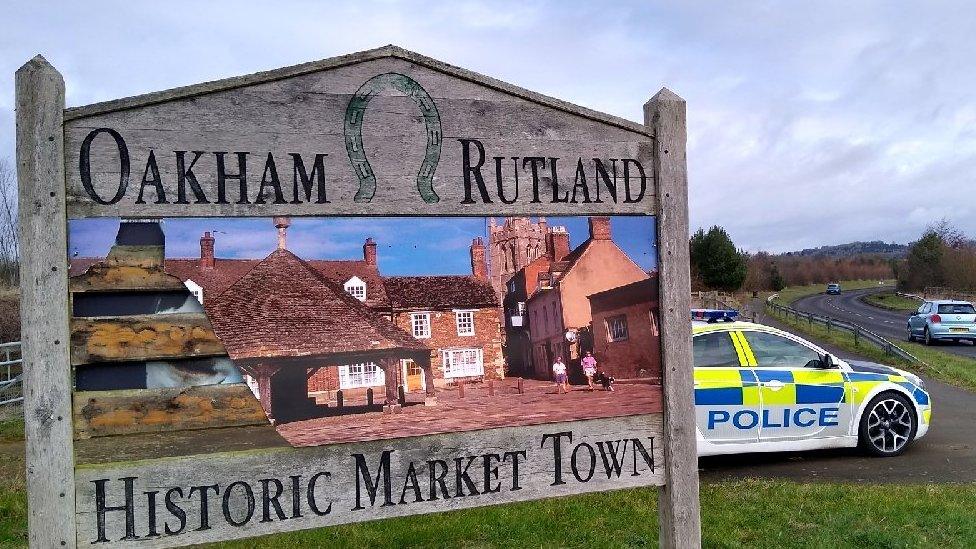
747 385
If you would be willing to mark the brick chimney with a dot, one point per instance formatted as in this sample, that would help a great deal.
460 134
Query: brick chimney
557 243
600 228
282 224
206 251
478 266
369 252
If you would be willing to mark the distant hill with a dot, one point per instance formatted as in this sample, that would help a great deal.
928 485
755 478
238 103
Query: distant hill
851 249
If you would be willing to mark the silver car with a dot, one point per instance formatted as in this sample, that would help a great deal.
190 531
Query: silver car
943 320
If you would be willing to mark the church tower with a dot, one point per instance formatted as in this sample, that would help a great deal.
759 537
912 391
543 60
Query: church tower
511 246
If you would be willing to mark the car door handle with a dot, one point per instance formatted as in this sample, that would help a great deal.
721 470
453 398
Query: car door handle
775 384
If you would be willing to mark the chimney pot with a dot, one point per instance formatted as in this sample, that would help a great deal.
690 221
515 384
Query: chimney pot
600 228
557 243
206 251
369 252
479 269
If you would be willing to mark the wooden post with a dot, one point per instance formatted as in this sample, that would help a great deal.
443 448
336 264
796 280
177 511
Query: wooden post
369 396
44 305
341 400
680 519
521 386
430 394
401 395
390 367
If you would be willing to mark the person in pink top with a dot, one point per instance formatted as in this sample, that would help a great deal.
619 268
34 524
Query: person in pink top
589 368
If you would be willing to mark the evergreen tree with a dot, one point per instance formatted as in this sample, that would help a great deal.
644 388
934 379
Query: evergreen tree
716 261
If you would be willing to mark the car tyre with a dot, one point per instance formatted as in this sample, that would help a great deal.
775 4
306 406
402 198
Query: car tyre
911 336
888 425
927 337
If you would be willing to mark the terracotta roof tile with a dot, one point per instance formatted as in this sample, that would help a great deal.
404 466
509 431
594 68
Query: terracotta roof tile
283 307
228 271
439 292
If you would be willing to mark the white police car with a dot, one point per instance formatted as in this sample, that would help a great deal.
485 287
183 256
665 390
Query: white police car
759 389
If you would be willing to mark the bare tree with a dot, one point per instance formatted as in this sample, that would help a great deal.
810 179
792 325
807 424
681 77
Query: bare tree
9 245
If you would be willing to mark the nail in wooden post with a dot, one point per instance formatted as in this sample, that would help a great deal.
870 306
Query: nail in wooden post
680 519
44 305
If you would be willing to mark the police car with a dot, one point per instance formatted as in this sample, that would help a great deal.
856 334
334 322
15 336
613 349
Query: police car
759 389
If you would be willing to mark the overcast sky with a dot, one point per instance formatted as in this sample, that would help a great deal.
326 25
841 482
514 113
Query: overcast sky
809 123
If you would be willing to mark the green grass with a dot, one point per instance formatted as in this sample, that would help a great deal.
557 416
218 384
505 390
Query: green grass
748 513
952 369
789 295
892 302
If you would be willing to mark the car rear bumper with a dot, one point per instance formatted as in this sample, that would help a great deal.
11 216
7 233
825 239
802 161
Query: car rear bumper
940 331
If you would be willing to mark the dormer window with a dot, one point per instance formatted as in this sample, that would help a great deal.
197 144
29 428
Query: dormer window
356 288
195 289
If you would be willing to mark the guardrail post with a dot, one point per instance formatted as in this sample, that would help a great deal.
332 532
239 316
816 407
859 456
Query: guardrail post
857 334
828 323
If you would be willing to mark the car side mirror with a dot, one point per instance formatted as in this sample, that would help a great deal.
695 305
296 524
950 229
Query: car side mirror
827 362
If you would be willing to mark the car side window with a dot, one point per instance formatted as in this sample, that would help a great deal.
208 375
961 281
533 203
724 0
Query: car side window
926 308
773 351
715 350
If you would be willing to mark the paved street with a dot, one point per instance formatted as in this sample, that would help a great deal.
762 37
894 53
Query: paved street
890 324
946 454
478 410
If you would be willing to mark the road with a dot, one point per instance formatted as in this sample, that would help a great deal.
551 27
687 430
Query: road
946 454
890 324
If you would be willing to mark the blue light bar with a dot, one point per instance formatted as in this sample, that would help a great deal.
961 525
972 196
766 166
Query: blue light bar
714 315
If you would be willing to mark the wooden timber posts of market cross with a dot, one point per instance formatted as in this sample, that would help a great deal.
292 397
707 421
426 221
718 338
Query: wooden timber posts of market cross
472 146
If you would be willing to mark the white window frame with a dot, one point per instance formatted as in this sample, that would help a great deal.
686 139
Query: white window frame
363 374
424 318
615 335
458 316
356 287
462 363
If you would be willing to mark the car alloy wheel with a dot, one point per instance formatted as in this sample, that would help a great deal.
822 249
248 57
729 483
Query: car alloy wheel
928 337
911 336
888 425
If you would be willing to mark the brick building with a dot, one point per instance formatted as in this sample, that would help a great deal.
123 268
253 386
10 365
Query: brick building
626 340
559 306
455 317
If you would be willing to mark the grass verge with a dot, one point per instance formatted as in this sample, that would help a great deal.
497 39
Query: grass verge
788 295
952 369
746 513
892 302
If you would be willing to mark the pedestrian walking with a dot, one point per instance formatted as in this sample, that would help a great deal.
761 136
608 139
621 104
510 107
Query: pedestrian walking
589 368
559 373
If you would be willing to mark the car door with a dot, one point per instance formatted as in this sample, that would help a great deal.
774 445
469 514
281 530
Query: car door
916 322
726 392
799 400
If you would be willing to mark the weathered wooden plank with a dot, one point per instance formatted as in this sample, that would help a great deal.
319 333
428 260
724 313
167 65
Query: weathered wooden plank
398 141
143 337
334 482
106 277
153 410
389 51
44 304
679 507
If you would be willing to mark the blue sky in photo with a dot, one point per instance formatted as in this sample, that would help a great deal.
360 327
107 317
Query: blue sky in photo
405 245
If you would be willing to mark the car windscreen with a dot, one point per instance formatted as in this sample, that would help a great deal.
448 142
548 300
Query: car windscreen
956 309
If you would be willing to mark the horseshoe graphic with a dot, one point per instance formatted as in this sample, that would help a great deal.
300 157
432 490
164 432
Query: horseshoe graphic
354 133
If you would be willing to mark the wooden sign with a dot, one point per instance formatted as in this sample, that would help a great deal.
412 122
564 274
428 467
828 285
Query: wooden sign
141 430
